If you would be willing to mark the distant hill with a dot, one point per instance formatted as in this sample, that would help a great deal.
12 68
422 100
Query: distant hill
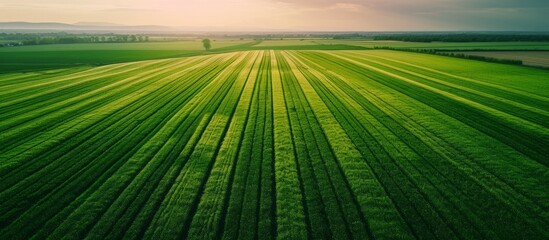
99 27
97 24
36 26
102 27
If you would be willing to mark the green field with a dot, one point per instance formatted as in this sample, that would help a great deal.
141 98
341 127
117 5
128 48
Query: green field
157 46
289 42
38 57
56 56
457 46
411 45
355 144
504 46
530 58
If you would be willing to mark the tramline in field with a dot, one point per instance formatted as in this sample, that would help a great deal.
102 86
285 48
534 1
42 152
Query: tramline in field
316 144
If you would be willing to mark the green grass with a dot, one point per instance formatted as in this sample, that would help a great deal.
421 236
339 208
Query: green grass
176 45
511 46
31 58
308 47
503 46
288 42
530 58
56 56
276 144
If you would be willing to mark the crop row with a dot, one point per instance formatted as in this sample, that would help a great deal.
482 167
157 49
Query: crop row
432 155
275 145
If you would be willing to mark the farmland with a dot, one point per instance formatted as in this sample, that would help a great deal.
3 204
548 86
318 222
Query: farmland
449 46
290 42
286 144
455 46
54 56
531 58
86 55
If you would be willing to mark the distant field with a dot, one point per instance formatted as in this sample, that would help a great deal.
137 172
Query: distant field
286 42
30 58
305 44
317 144
450 45
162 46
532 58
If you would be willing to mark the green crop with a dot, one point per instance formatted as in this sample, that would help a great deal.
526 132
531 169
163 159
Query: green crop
326 143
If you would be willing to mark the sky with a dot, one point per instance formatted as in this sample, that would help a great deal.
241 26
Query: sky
292 15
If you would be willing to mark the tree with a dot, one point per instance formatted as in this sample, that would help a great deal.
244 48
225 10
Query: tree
206 43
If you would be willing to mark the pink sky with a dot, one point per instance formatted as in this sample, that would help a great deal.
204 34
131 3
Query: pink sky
342 15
